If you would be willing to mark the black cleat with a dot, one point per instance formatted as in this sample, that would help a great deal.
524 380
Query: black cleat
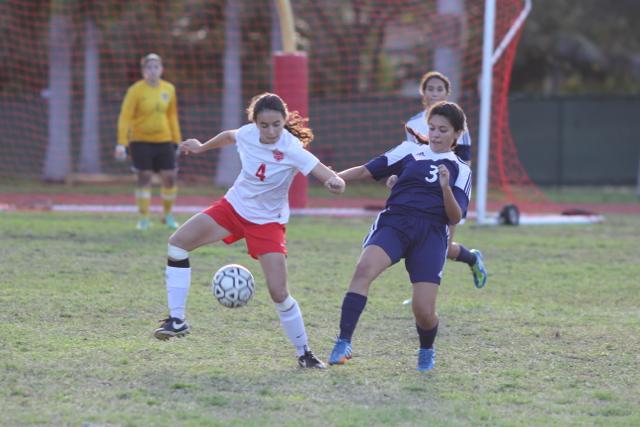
171 327
309 360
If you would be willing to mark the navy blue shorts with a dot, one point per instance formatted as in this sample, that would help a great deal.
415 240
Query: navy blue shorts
421 242
153 156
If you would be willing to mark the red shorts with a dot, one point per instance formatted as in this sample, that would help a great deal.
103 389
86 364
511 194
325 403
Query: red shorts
261 238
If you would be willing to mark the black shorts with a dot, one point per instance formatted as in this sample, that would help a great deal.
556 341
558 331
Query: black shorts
153 156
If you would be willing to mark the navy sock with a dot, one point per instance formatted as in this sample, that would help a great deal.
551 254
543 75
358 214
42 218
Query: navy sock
352 307
427 337
466 256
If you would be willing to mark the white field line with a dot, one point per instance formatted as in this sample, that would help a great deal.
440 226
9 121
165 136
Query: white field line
525 219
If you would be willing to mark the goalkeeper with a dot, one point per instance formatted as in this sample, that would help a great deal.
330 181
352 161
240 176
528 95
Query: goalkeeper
148 126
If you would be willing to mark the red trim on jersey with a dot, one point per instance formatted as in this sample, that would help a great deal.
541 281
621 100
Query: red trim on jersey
260 238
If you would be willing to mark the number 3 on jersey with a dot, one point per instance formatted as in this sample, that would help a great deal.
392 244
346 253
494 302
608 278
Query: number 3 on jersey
433 174
261 172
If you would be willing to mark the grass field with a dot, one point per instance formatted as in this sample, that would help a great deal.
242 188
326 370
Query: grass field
552 340
578 194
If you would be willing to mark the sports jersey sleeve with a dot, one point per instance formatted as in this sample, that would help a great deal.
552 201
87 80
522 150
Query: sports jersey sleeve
126 114
303 160
462 188
382 167
172 114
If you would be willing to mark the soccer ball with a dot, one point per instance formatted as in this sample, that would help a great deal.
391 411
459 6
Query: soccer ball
233 285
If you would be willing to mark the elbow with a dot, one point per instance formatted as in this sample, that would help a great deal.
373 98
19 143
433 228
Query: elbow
454 218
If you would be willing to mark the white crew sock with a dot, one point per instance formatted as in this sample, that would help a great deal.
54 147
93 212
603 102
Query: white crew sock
292 323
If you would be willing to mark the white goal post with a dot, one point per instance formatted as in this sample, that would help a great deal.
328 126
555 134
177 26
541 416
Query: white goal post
489 58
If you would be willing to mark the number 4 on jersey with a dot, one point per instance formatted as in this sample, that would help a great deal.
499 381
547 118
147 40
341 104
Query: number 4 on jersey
261 172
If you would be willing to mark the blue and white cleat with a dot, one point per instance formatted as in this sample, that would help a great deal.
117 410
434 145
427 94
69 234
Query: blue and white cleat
170 222
143 224
426 359
478 269
341 352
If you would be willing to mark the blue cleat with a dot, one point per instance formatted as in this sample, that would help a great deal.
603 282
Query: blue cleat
426 359
478 270
170 222
341 352
143 224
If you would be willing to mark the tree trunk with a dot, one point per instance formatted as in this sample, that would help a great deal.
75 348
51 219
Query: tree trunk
448 59
229 162
57 162
89 150
638 184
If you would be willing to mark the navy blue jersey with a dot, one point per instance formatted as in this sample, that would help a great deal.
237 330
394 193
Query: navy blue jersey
417 191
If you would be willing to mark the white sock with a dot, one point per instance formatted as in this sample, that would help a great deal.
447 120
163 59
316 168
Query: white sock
292 323
178 280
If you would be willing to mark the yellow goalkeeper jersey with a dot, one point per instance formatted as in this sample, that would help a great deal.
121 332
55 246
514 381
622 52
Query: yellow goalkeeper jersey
149 114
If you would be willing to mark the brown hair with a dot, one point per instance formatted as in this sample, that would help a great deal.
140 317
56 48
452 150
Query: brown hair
453 113
434 75
295 123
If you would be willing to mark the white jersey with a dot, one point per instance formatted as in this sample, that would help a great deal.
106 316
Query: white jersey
418 124
260 194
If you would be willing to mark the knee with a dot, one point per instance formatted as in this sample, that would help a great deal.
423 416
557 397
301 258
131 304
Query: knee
279 294
365 270
453 250
278 289
169 179
426 315
144 178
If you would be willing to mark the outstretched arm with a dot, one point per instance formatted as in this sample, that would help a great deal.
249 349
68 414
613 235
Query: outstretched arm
192 145
329 178
355 173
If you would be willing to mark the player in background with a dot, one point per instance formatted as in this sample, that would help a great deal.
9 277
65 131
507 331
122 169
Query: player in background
435 87
255 208
432 193
148 126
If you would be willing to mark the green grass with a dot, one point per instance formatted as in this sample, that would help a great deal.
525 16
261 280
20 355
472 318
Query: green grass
552 340
200 187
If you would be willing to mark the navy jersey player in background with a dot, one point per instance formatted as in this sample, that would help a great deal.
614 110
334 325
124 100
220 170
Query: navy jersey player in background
432 193
436 87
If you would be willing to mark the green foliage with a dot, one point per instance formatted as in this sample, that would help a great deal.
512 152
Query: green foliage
551 340
579 47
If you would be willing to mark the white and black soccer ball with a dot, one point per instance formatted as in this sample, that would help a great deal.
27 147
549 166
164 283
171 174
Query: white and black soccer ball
233 285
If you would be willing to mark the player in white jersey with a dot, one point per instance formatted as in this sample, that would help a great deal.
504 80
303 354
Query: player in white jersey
435 87
255 208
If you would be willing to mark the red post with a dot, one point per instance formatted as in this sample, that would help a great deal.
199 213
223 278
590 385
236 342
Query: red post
290 82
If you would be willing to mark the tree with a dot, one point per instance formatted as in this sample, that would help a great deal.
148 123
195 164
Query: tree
579 47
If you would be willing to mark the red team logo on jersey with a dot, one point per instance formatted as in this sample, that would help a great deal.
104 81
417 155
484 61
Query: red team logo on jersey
278 155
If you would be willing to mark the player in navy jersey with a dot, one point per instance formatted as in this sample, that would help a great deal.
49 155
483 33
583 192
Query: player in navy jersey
255 208
431 193
435 87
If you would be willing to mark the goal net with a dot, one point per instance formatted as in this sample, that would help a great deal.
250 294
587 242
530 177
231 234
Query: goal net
67 65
